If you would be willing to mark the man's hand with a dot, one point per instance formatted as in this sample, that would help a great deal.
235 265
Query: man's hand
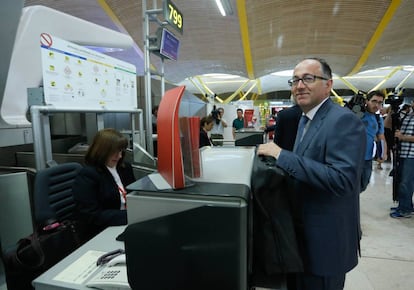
269 149
401 137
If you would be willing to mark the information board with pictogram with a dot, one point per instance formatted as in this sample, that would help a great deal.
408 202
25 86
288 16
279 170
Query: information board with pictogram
77 77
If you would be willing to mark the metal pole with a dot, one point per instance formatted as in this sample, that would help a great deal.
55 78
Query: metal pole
100 121
47 137
148 99
37 138
132 120
162 77
41 133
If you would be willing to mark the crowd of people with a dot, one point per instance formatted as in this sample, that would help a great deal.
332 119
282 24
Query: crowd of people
321 193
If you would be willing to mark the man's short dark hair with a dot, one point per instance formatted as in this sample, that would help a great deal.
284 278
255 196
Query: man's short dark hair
240 110
326 69
375 93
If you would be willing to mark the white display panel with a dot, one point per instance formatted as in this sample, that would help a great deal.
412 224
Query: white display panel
77 77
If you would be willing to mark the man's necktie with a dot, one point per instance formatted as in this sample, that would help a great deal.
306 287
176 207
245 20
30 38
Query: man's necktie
301 131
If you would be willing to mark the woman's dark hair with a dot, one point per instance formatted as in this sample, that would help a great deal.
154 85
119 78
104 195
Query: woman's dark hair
206 120
105 143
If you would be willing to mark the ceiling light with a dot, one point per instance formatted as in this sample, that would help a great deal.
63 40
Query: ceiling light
375 70
336 9
220 76
225 7
408 68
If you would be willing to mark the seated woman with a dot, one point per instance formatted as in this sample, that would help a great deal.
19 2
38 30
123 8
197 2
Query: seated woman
99 189
206 124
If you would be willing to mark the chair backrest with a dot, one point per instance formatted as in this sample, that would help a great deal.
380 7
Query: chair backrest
52 193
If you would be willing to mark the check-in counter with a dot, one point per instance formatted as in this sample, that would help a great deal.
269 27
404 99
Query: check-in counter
198 237
248 137
195 237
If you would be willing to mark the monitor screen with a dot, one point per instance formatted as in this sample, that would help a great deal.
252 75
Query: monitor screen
169 45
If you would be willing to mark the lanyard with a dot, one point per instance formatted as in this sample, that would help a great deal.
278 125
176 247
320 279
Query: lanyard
123 192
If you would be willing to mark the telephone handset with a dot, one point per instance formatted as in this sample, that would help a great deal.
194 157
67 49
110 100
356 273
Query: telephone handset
112 277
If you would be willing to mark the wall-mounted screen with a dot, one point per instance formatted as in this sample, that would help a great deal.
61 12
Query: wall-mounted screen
169 45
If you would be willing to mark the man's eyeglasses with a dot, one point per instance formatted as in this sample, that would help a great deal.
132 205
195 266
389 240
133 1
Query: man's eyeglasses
306 79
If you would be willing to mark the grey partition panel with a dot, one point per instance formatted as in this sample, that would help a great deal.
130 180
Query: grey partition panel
15 212
200 248
193 238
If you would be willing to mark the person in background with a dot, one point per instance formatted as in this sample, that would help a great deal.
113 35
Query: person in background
374 128
324 165
238 123
217 133
390 128
389 138
154 119
378 143
405 110
100 187
405 169
206 124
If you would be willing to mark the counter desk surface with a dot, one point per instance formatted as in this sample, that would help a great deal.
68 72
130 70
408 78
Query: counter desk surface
103 242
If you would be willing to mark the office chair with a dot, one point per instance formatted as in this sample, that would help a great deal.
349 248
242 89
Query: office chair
52 193
52 203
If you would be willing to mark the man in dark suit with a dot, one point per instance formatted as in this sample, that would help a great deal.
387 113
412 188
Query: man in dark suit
326 166
286 126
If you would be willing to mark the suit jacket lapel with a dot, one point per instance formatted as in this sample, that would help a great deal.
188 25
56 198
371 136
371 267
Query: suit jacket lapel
314 126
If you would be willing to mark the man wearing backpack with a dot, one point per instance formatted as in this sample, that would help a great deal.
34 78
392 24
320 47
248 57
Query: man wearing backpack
374 126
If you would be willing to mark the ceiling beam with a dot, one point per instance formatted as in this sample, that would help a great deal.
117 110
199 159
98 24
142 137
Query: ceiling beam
348 84
205 87
248 91
398 68
197 86
111 14
232 96
404 80
244 31
377 35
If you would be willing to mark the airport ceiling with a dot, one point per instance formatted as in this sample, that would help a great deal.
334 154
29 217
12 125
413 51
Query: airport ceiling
369 44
